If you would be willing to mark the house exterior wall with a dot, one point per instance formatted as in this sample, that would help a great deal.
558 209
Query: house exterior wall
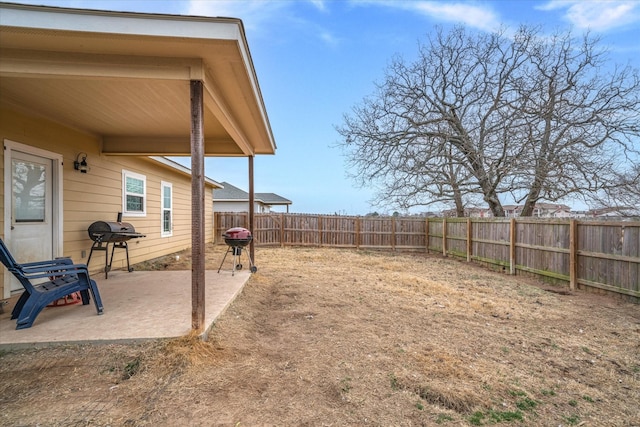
232 207
240 207
97 195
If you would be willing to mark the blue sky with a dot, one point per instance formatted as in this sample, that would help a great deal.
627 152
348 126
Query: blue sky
316 59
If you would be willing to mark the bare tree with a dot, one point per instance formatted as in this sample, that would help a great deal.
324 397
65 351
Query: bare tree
581 126
627 198
490 114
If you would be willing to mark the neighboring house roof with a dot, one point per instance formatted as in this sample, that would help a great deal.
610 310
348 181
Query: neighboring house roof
183 169
614 211
231 193
272 199
551 206
540 209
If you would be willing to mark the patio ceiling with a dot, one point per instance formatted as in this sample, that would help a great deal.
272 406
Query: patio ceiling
124 77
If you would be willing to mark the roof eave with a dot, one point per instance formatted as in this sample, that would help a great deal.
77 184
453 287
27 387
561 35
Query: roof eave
92 26
182 169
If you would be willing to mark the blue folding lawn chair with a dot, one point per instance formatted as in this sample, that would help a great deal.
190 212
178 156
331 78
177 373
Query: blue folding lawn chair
62 278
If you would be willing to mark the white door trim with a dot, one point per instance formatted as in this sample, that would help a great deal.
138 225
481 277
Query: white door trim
57 199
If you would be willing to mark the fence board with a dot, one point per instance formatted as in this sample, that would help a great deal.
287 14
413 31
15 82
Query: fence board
609 255
435 228
457 236
543 246
267 228
602 254
490 241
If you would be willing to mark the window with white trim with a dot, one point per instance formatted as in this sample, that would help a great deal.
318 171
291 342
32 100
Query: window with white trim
166 197
134 194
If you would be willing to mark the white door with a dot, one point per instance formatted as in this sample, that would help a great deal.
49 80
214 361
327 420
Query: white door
31 234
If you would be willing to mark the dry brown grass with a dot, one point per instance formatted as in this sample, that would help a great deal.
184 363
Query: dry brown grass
338 337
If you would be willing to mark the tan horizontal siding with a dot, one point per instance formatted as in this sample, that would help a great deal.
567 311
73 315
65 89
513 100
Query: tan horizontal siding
97 195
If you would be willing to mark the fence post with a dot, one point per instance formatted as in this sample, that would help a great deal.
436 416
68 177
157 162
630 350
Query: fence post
282 230
358 232
469 247
216 219
512 246
393 233
444 236
573 254
426 237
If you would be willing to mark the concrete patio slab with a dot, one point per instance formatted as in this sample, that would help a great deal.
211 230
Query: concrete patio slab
138 306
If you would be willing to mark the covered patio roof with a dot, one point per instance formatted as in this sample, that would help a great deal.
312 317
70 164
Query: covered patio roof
144 85
124 77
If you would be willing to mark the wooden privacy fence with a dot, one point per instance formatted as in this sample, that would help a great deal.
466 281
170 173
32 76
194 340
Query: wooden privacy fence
597 254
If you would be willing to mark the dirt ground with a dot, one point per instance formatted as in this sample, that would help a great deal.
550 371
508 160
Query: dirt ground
323 337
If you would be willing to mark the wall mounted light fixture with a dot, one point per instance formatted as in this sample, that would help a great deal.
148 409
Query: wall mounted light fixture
81 165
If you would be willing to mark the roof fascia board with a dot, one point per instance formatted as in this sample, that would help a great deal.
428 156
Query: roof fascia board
239 200
47 64
253 78
168 146
280 203
215 102
108 22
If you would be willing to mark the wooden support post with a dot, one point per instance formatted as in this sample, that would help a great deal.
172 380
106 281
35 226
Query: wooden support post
512 246
469 243
320 230
197 207
251 210
358 233
444 236
573 254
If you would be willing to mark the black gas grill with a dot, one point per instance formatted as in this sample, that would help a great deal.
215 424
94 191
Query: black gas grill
116 233
237 238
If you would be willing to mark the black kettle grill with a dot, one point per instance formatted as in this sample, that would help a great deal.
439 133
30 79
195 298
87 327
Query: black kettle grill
237 238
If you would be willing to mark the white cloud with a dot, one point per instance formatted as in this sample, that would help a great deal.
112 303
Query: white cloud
260 15
328 37
471 14
598 15
254 13
319 4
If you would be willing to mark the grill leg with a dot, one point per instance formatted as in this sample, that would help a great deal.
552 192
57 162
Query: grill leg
252 266
96 242
118 245
236 259
107 263
225 257
236 252
126 249
97 246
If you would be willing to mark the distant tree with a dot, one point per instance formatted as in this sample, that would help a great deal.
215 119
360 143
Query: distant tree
478 116
581 126
628 196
